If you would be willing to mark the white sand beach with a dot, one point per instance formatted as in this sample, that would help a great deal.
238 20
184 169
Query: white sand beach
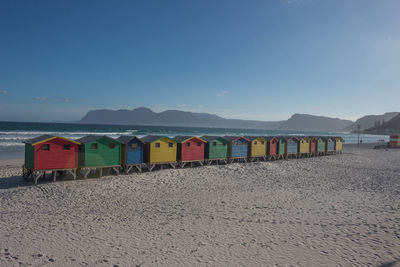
325 211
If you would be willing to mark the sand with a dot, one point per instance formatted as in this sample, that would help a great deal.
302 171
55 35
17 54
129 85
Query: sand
325 211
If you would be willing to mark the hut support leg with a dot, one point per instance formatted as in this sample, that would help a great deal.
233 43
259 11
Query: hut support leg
85 173
128 169
139 168
173 165
35 177
54 176
116 170
201 163
101 172
183 164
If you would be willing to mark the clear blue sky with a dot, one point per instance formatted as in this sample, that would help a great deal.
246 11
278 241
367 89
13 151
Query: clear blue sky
261 60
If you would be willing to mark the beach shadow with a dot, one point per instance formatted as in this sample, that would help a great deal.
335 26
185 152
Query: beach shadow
390 264
13 182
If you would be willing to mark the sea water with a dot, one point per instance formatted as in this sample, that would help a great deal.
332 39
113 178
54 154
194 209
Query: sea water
12 134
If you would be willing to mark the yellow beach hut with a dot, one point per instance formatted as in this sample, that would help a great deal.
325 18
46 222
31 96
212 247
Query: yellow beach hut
339 145
305 146
159 150
257 147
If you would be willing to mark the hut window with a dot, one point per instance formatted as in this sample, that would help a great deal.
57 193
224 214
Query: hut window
46 147
198 143
214 143
157 144
93 146
255 142
170 144
112 145
187 144
67 147
134 145
224 144
262 142
236 143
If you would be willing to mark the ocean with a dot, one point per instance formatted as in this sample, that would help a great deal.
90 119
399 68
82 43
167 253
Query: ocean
12 134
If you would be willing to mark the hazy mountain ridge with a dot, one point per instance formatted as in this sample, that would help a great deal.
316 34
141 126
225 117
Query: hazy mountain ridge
305 122
369 121
145 116
391 126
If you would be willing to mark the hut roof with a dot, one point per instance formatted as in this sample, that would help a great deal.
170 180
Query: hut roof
209 138
125 139
91 138
153 138
254 137
269 138
234 138
45 138
183 138
286 137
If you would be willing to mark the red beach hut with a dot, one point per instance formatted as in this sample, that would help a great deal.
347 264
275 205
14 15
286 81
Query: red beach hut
48 152
272 149
190 149
313 145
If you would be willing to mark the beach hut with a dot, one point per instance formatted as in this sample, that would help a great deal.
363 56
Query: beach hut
190 150
330 145
313 145
281 147
338 145
131 152
394 140
50 153
321 146
238 148
273 147
292 147
98 152
257 147
304 146
159 150
216 149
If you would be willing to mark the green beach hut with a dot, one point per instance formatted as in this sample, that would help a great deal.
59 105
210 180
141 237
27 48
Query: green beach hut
216 149
281 147
321 146
98 152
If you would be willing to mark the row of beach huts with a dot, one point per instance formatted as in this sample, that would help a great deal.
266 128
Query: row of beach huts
99 155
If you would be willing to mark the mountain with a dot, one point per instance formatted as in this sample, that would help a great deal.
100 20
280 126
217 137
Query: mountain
370 120
145 116
305 122
391 126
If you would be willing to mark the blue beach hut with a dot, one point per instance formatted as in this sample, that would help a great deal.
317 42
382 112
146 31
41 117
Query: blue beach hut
238 147
292 146
131 152
330 145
